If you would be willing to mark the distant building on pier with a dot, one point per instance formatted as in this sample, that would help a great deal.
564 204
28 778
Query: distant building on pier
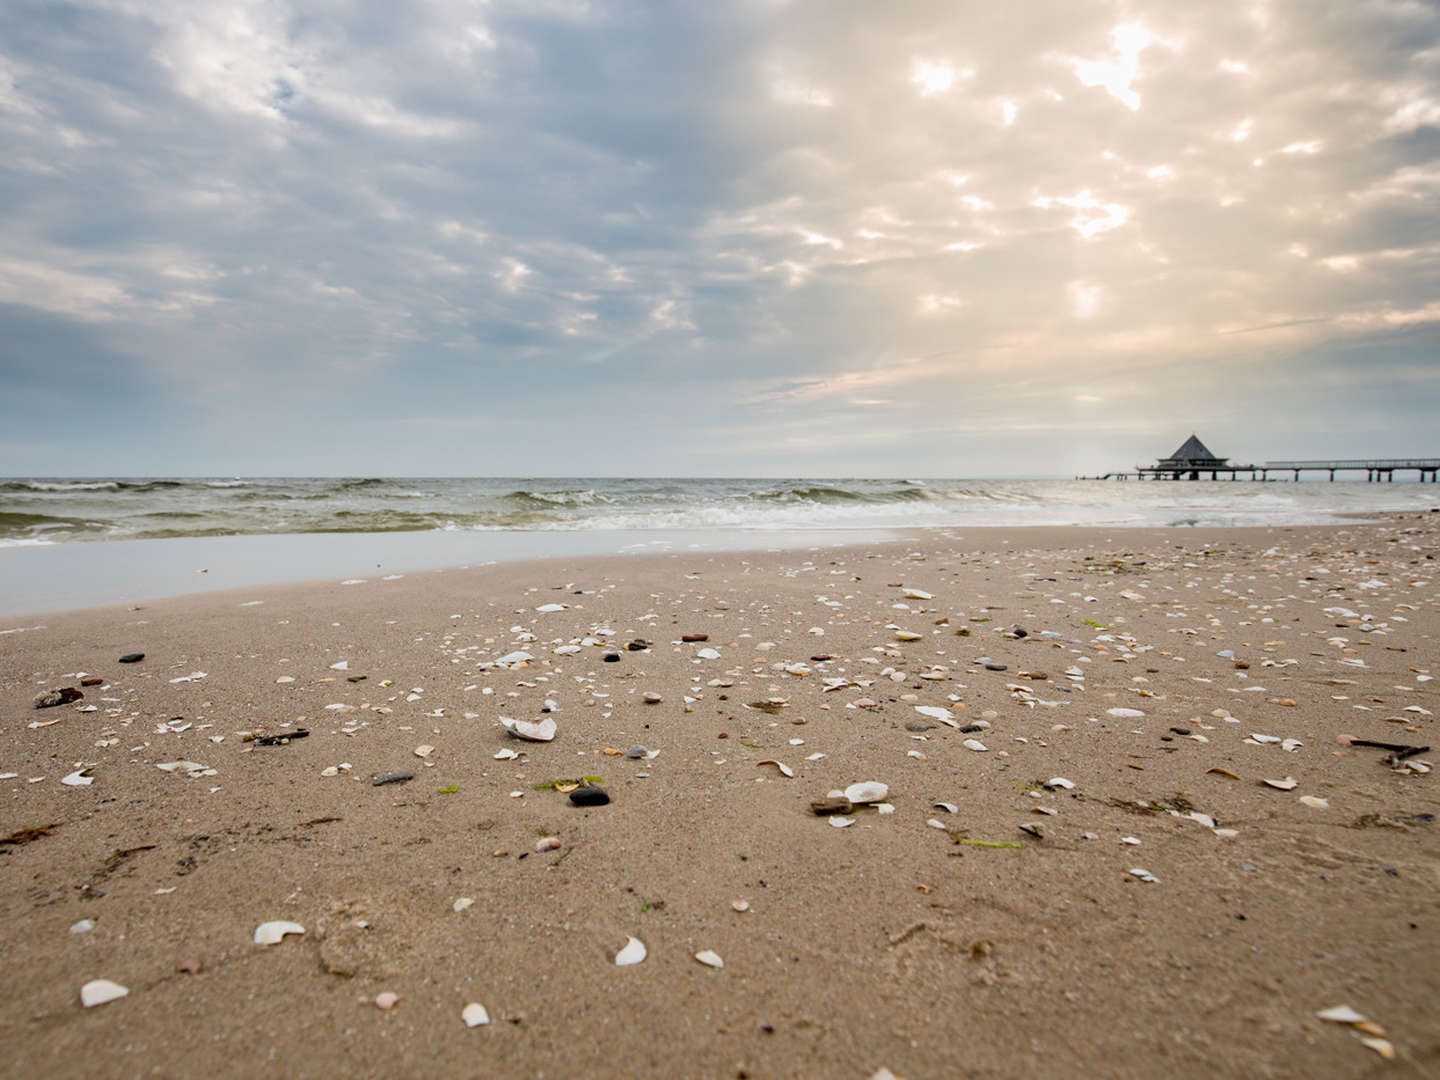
1192 457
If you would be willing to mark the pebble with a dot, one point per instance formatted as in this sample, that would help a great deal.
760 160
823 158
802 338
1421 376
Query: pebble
132 658
638 645
386 1000
993 666
50 698
611 658
694 637
589 796
547 843
392 778
651 698
635 753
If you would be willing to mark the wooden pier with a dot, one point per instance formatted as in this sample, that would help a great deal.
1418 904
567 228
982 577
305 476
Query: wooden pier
1194 461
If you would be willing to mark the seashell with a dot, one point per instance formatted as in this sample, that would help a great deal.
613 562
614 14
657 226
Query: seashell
1123 713
740 905
908 635
1033 828
710 959
632 953
461 903
883 808
99 991
1288 784
1383 1047
84 926
505 755
386 1000
1223 772
936 824
474 1015
917 594
548 608
1265 738
1059 782
976 745
842 822
547 843
1342 1014
520 656
948 807
78 778
1315 801
270 933
867 791
541 731
708 654
1203 819
424 751
785 770
1144 875
343 665
1133 841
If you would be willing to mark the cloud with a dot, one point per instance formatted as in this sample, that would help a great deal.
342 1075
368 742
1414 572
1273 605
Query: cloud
323 220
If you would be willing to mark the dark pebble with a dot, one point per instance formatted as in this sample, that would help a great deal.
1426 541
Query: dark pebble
392 778
638 645
995 667
1020 633
91 682
589 796
612 658
970 729
820 658
50 698
132 658
694 637
1181 730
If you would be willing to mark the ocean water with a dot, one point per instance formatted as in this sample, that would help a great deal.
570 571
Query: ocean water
59 511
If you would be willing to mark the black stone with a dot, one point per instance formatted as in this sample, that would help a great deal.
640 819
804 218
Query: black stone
995 667
589 796
611 658
392 778
50 698
638 645
132 658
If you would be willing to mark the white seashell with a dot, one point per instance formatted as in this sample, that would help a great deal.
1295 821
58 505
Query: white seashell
840 822
948 807
1059 782
424 751
1342 1014
99 991
1144 875
543 731
520 656
386 1000
867 791
1288 784
708 654
710 959
1203 819
1265 738
740 905
343 665
566 650
505 755
84 926
474 1015
976 745
270 933
1291 745
884 808
908 635
547 608
785 770
461 903
632 953
285 679
547 843
1133 841
918 594
1315 801
935 712
936 824
1123 713
78 778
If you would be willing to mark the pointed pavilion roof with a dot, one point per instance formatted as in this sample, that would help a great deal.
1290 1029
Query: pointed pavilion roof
1193 450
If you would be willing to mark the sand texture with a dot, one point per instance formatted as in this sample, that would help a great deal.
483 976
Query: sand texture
916 940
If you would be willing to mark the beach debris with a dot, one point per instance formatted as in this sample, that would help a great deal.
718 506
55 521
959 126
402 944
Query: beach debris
1342 1014
688 638
48 699
84 926
78 778
707 654
281 738
131 658
386 999
1122 714
908 635
1058 782
831 805
1144 875
547 843
710 958
424 751
272 933
1223 772
1288 784
343 665
785 770
636 753
192 769
917 594
1033 828
741 906
948 807
100 991
461 903
530 730
651 698
392 778
589 796
633 953
1315 801
842 822
1014 844
976 745
867 791
937 712
474 1015
506 754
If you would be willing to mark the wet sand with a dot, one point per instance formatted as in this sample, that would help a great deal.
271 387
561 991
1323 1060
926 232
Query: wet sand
929 943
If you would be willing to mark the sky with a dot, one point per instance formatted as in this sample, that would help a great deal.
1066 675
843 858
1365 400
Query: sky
747 238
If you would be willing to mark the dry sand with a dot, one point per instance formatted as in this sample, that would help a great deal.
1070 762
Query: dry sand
888 944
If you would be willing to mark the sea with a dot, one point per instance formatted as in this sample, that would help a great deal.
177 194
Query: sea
73 542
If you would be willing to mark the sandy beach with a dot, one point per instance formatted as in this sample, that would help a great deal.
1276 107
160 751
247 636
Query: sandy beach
1077 867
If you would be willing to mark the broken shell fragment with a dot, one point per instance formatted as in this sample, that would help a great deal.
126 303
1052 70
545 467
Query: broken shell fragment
271 933
1144 875
867 791
976 745
1342 1014
710 959
785 770
1288 784
740 905
543 731
842 822
632 953
386 1000
99 991
1315 801
475 1015
1059 782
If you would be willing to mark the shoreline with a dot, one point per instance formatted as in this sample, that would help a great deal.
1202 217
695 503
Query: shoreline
1141 666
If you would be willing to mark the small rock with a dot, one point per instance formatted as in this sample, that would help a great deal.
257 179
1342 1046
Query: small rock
636 753
611 658
651 698
386 1000
132 658
832 805
589 796
95 681
694 637
993 666
547 843
638 645
392 778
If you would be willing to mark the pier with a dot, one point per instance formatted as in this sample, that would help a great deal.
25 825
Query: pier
1194 461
